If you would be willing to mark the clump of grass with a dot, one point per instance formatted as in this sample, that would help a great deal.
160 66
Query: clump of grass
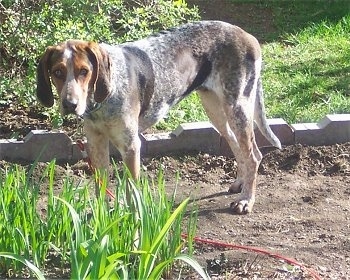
305 74
188 110
21 229
139 240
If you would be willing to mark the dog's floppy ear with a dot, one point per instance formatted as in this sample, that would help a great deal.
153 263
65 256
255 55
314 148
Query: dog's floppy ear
43 83
101 71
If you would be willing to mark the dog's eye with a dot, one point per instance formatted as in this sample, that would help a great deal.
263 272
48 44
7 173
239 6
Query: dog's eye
83 72
58 73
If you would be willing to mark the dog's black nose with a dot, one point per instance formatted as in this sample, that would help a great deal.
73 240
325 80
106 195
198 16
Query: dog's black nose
69 106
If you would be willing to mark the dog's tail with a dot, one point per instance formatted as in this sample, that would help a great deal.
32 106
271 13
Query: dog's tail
260 118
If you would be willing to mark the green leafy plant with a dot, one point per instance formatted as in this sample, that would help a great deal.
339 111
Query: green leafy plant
137 238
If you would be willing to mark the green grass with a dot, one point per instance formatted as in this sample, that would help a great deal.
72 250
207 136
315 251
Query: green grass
307 74
139 240
188 110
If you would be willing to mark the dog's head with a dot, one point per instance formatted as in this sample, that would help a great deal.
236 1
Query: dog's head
80 72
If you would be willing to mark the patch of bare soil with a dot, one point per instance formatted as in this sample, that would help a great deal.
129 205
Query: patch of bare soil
301 212
253 16
17 121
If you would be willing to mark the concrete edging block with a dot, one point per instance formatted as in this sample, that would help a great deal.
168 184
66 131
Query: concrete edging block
199 137
332 129
187 137
10 148
39 145
157 144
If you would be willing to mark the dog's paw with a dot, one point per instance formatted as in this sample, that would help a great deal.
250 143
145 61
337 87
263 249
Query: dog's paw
242 206
236 187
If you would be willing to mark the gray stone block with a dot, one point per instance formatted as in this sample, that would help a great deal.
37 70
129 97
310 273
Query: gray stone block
49 145
39 145
199 137
307 133
10 148
332 129
157 144
45 145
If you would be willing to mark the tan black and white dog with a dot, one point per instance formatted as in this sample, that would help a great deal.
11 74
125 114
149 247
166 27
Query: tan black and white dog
123 89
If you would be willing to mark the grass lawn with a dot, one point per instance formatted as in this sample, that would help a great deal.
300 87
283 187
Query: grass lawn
307 73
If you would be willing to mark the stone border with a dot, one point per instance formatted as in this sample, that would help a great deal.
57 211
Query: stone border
45 145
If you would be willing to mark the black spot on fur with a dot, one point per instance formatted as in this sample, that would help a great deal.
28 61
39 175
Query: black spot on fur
250 76
140 73
203 73
240 118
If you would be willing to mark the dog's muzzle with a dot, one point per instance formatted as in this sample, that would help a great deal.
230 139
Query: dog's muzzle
69 107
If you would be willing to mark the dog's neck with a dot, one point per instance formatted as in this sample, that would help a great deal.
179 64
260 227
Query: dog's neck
92 110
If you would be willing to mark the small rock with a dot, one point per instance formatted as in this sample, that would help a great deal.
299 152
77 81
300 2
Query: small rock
307 199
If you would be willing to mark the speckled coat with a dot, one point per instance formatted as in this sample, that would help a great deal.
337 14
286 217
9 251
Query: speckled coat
129 87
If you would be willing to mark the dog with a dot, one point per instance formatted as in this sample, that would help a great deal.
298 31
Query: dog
121 90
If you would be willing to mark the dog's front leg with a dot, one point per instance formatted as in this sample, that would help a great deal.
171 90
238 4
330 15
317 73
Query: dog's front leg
128 143
131 157
98 150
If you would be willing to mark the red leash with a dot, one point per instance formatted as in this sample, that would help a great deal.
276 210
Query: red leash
212 242
256 250
86 158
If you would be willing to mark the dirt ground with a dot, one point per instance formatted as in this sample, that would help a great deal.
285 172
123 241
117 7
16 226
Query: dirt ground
301 212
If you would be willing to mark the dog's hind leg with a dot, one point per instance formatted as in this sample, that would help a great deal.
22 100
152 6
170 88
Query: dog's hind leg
215 111
213 106
240 119
235 124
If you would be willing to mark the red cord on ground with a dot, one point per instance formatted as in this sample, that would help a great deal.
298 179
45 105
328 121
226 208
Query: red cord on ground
256 250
